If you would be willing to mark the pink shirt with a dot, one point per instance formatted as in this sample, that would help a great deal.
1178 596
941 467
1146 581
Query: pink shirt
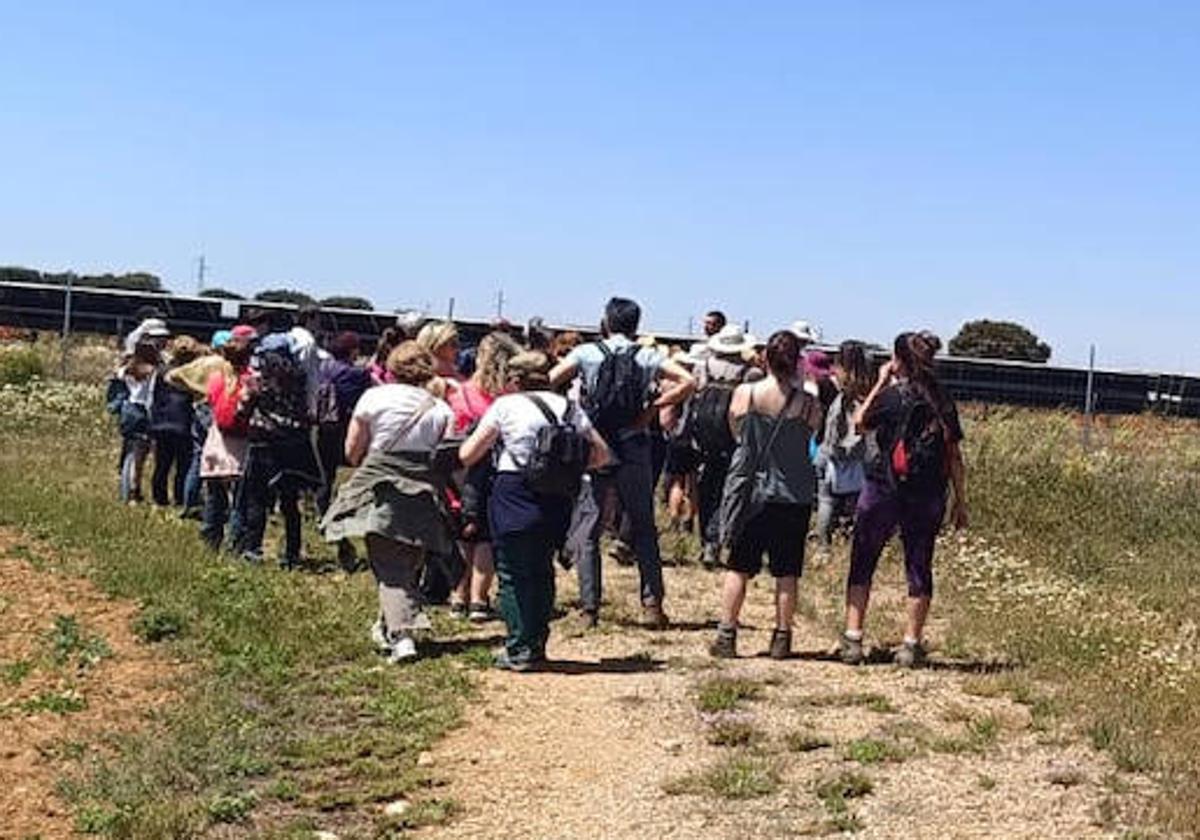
470 403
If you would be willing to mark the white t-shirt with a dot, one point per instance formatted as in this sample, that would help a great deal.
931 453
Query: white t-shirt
518 419
388 409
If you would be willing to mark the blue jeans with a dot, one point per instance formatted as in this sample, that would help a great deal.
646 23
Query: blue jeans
201 420
221 506
633 480
135 451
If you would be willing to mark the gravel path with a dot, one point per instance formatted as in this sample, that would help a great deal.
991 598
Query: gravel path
586 750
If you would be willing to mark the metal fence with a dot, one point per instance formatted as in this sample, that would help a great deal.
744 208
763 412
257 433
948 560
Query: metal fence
113 312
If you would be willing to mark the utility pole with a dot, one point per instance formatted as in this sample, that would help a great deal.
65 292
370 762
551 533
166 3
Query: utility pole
450 310
691 324
500 303
201 270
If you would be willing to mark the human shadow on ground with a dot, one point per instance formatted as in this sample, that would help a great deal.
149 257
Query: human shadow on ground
437 648
680 626
884 656
620 665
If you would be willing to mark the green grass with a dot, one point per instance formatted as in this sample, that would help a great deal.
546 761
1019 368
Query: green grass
802 741
285 707
836 792
874 751
733 733
741 776
724 694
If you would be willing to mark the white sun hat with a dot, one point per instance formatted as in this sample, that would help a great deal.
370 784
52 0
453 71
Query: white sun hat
805 331
732 340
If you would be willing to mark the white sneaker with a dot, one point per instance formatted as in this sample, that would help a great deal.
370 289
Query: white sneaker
403 649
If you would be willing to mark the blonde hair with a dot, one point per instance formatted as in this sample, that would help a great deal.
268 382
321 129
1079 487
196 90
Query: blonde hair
411 364
530 370
492 360
437 334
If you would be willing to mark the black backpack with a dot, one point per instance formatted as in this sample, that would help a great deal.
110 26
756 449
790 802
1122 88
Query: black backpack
618 397
280 407
918 456
709 417
559 457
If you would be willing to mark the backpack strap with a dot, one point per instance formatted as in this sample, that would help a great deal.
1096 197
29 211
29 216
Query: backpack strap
550 416
604 349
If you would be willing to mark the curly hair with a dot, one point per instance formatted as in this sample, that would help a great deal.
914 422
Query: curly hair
492 359
530 371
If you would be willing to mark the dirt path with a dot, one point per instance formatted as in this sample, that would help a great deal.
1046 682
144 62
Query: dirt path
587 751
70 668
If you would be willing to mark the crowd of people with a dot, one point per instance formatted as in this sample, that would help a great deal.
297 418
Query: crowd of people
458 468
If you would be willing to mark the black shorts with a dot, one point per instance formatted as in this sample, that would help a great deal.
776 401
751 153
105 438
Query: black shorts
780 532
682 459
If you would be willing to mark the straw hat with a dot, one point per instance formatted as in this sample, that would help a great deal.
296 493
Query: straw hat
732 340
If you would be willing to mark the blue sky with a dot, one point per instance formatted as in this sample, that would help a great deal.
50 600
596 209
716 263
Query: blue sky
869 166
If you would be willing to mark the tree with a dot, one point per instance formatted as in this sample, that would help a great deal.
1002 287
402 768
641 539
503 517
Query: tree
223 294
999 340
134 281
285 296
348 302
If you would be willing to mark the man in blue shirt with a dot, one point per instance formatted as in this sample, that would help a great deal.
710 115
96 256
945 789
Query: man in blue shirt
630 473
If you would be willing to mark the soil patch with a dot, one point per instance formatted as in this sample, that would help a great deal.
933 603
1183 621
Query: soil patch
71 669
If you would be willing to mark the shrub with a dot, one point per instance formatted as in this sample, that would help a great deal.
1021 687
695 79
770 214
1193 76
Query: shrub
19 365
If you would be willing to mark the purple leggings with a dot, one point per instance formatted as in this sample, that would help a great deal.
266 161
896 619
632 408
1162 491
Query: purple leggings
880 512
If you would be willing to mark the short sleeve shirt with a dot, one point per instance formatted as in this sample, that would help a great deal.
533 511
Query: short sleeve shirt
589 357
885 417
388 410
518 419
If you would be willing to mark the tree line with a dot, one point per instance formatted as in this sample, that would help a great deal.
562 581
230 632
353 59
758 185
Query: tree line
144 281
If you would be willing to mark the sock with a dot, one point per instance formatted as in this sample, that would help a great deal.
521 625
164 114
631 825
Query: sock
909 641
854 635
726 629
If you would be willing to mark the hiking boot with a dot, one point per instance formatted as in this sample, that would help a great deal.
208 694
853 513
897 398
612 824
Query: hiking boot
481 613
653 617
850 651
517 664
404 648
459 611
910 655
724 646
711 558
348 557
781 644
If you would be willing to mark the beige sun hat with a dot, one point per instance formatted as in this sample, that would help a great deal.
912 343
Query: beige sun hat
805 331
732 340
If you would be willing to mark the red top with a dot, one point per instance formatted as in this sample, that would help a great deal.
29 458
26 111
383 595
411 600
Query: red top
224 402
469 403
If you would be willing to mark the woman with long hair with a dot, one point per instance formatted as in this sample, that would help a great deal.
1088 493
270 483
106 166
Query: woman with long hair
768 492
840 459
470 401
916 455
528 523
388 341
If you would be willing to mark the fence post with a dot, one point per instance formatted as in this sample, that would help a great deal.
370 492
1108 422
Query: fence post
66 327
1089 398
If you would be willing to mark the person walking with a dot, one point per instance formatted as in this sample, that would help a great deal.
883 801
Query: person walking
618 377
395 499
529 507
470 402
129 397
340 384
193 377
717 376
841 458
171 419
915 455
768 492
280 461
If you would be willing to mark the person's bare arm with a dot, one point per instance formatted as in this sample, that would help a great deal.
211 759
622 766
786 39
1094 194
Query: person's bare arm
478 445
739 404
563 372
600 454
358 438
885 378
680 384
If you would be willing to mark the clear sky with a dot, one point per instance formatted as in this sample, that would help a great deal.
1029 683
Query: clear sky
869 166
